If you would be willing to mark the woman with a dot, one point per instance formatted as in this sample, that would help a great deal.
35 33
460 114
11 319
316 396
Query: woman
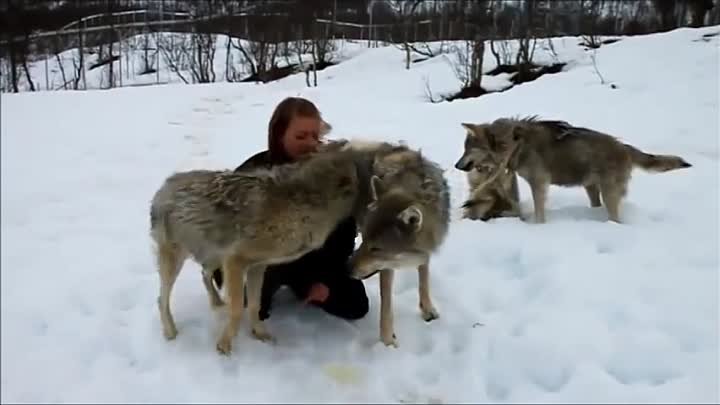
320 277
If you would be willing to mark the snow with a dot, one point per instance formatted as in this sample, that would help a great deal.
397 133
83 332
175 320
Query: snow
577 309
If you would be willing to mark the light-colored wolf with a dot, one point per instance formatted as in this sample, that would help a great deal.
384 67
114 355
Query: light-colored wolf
546 152
491 199
245 221
242 222
492 193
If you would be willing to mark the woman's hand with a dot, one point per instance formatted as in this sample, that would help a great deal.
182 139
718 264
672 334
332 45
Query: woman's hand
319 293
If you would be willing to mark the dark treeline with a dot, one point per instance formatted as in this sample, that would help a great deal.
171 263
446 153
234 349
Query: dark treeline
448 19
35 29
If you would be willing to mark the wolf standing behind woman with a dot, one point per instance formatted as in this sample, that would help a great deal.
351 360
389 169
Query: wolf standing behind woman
320 277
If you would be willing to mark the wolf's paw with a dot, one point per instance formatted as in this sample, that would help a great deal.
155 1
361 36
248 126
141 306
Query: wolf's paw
429 314
389 340
263 335
224 346
217 305
170 332
468 212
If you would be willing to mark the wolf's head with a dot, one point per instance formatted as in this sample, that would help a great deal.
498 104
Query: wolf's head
390 232
486 145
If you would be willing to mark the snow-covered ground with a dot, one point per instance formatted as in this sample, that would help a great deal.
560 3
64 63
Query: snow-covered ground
577 309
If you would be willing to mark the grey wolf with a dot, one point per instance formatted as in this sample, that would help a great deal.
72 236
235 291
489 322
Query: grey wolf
243 222
328 265
495 199
545 152
404 222
492 193
320 277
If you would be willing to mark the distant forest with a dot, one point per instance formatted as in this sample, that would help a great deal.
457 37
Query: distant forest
36 29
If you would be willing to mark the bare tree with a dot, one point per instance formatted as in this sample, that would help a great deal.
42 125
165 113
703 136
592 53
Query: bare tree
526 40
230 71
147 59
79 61
406 11
469 61
24 60
590 15
174 50
60 62
262 47
18 50
202 65
111 42
203 46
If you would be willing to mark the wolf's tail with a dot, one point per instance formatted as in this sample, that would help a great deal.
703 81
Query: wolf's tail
656 163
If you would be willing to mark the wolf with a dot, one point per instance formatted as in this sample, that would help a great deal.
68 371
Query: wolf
243 222
492 194
487 200
545 152
404 221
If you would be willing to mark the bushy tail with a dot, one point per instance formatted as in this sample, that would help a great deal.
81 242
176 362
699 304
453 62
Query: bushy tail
656 163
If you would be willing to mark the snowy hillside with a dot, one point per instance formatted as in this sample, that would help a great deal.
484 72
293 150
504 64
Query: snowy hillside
577 309
162 58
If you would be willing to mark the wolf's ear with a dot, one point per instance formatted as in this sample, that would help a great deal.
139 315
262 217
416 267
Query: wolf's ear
412 217
376 187
468 127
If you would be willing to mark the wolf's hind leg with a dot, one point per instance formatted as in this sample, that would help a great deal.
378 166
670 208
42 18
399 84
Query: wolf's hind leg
612 195
170 260
593 192
234 269
255 278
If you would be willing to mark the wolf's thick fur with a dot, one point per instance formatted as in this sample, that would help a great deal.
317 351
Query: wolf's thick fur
243 222
405 222
500 198
554 152
493 190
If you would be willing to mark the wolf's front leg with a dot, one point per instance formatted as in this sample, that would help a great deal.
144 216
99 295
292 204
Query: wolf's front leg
387 332
539 189
234 274
427 309
255 278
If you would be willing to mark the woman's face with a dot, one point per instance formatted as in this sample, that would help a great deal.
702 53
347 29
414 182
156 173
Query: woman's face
302 136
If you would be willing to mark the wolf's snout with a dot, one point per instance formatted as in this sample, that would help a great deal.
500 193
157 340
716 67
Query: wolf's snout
464 164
